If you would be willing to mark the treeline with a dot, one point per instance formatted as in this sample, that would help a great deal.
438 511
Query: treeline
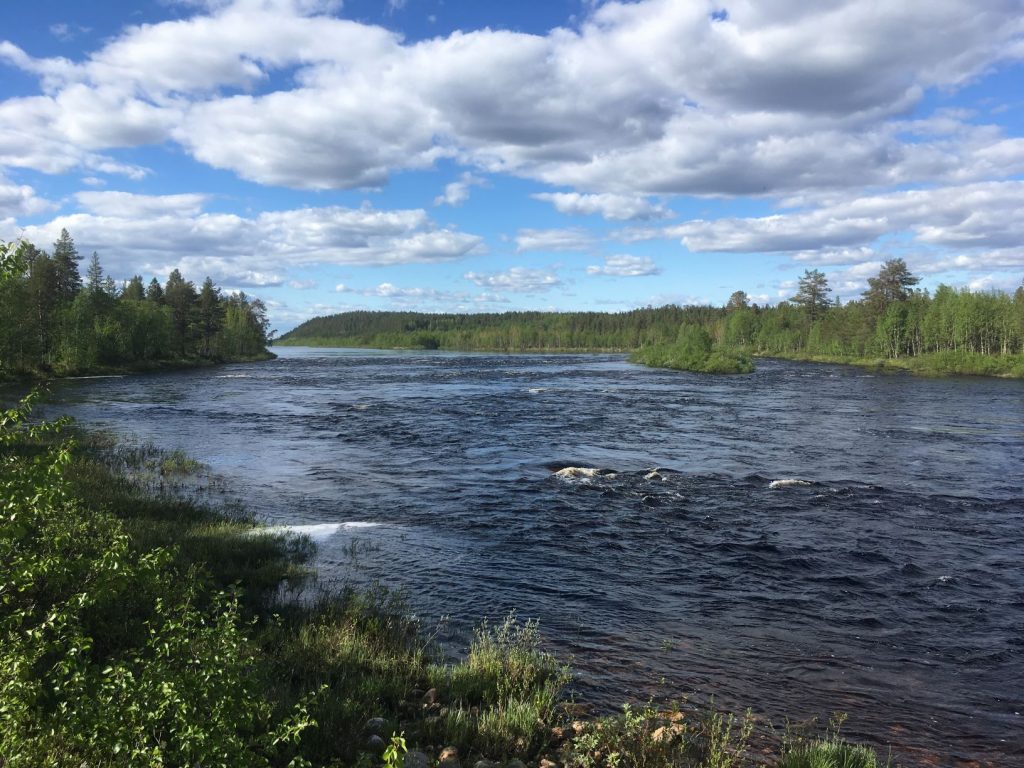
506 332
956 330
54 321
892 321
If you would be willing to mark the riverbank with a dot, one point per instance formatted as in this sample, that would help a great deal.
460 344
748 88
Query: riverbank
141 367
351 343
162 628
934 364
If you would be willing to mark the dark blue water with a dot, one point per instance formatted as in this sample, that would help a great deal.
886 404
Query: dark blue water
889 583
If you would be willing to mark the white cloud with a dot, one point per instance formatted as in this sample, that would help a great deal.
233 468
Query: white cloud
457 192
302 285
518 279
574 239
136 233
609 206
20 200
625 266
128 205
648 97
983 215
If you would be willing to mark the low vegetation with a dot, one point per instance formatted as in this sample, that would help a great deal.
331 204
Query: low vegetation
694 350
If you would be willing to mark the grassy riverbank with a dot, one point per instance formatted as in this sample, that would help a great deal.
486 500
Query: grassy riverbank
935 364
139 625
141 366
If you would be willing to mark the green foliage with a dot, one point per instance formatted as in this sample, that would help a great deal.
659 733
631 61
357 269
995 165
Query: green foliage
108 654
394 753
647 738
694 351
830 752
49 323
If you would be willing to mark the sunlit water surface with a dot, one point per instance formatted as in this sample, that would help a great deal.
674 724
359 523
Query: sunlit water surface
889 584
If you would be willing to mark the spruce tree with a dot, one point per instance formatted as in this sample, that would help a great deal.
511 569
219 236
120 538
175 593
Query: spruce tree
65 261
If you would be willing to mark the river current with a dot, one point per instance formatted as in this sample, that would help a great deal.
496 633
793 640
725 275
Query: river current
883 576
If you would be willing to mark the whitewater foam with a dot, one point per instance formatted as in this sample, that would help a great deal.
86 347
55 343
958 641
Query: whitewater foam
582 473
317 531
788 482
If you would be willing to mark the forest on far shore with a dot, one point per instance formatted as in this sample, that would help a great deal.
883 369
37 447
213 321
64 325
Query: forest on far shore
953 330
52 321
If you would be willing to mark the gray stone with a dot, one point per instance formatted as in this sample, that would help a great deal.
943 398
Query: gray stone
416 759
375 743
515 763
449 753
375 725
486 764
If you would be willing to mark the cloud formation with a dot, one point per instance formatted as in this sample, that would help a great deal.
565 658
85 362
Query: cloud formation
516 279
609 206
158 233
625 266
649 97
572 239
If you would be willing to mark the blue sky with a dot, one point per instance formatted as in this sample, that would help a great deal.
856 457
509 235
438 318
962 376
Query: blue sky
470 156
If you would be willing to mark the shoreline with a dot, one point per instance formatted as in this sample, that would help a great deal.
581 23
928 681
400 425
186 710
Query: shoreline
929 365
155 366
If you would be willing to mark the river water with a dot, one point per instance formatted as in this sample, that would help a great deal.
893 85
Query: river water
887 583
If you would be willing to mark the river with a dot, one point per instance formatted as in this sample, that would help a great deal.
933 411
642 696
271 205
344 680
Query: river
886 580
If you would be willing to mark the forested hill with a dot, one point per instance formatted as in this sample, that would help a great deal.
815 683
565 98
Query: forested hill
54 322
949 330
507 331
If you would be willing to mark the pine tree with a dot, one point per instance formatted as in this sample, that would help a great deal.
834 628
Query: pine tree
893 283
813 294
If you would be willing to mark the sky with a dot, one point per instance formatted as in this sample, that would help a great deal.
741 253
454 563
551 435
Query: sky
467 156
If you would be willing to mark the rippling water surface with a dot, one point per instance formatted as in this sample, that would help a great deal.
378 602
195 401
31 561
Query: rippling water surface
888 584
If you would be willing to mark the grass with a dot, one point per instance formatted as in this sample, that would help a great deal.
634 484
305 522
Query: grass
156 624
933 364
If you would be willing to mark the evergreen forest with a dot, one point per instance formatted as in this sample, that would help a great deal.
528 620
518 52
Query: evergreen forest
55 321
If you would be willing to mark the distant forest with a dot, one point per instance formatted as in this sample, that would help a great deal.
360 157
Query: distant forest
54 321
893 320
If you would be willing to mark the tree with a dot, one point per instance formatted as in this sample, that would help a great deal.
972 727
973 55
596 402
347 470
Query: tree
813 293
133 289
893 283
65 261
738 300
154 292
211 316
94 275
180 296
